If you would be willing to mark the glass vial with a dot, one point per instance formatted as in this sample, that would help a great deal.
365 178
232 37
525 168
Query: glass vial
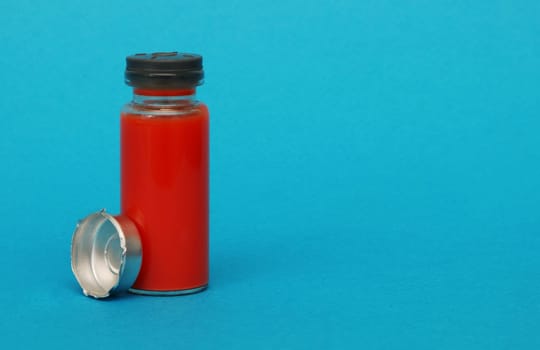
164 171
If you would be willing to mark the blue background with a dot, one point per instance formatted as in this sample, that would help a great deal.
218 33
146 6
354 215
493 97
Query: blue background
375 174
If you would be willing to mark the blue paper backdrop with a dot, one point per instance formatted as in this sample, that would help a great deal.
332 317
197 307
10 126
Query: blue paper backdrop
375 176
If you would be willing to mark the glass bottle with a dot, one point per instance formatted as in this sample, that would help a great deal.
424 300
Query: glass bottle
164 171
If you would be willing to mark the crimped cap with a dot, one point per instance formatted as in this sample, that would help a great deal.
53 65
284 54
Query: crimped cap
106 254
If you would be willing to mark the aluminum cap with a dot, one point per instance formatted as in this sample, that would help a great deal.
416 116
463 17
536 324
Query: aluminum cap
106 254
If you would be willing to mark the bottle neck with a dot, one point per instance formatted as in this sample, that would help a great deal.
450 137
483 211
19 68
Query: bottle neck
164 98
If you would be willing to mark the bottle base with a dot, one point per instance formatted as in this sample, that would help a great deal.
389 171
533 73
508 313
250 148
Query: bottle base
168 292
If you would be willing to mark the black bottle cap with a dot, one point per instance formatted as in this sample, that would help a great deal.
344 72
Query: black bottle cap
164 70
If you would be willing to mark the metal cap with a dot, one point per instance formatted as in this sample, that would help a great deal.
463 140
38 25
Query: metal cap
106 254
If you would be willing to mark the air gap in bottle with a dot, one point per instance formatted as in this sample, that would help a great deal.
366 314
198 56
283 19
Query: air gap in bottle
164 171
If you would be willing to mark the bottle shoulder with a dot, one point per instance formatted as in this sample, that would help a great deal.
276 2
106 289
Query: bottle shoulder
198 108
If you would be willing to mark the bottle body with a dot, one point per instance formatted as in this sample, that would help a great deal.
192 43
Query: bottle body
164 188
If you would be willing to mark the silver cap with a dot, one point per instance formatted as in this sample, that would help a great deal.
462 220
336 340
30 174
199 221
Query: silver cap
106 254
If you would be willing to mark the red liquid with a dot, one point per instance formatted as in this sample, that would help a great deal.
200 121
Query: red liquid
165 192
